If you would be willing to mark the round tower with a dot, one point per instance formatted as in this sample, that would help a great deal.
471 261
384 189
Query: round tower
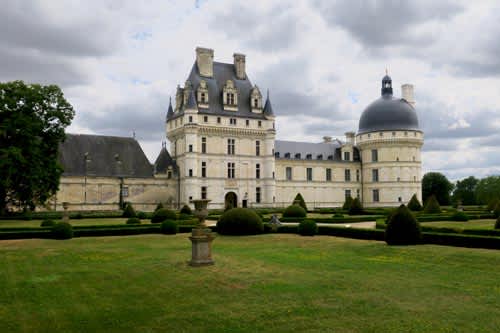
389 139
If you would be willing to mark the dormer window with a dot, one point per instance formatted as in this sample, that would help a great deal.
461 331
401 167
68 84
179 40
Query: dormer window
287 155
202 94
319 157
230 96
202 98
256 100
309 156
255 103
277 154
297 156
330 157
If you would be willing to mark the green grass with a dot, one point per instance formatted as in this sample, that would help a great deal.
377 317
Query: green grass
471 224
79 222
266 283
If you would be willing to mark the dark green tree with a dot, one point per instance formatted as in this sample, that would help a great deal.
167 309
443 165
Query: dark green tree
402 228
414 204
435 183
465 191
32 122
488 189
300 200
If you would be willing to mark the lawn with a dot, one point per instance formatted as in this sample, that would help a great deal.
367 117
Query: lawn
265 283
472 224
75 222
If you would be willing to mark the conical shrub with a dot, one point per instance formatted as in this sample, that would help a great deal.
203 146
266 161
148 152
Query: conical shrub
403 228
432 206
414 204
356 207
300 200
347 204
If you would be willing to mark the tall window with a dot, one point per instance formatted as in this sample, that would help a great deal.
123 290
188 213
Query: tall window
230 146
190 119
190 172
255 103
309 174
347 156
357 175
328 174
230 170
190 148
375 175
203 192
259 123
376 197
205 119
203 145
203 169
232 121
257 148
374 155
230 98
247 122
257 194
257 171
203 97
347 174
288 173
218 120
347 194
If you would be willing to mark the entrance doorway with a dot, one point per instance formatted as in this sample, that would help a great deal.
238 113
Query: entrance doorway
231 200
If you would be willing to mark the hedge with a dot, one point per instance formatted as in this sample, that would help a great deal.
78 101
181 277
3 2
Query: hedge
461 240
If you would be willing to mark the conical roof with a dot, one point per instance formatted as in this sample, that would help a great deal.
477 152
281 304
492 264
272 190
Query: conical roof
191 102
268 109
170 112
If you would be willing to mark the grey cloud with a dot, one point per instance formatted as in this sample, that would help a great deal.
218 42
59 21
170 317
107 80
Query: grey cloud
440 145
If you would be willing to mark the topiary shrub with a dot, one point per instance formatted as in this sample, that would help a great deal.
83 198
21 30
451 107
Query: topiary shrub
294 211
414 204
129 211
47 223
240 221
496 211
403 228
432 206
497 223
183 216
186 210
62 230
159 206
308 228
347 204
300 201
142 215
169 227
356 207
460 216
133 220
163 214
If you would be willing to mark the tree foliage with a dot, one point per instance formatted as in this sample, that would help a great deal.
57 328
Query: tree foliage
435 183
414 204
488 189
300 200
465 191
32 122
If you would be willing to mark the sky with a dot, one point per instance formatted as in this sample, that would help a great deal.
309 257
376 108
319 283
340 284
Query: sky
119 62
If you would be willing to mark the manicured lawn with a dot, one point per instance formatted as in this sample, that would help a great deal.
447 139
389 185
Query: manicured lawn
265 283
86 221
472 224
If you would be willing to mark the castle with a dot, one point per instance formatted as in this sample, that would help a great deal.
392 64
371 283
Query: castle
223 147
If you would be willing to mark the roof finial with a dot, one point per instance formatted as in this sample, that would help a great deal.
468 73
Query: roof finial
267 93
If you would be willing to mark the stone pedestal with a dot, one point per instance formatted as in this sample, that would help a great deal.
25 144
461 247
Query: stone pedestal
201 240
65 217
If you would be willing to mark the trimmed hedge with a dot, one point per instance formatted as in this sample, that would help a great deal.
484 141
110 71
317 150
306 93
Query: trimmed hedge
62 230
307 228
460 216
169 227
47 223
461 240
163 214
294 211
240 221
133 220
347 204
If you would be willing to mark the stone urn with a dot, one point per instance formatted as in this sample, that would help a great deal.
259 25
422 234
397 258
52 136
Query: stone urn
65 213
201 236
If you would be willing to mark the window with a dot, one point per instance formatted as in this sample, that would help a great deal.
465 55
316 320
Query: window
218 120
205 119
376 195
400 199
259 123
277 154
297 156
288 173
257 194
347 156
169 174
374 155
406 133
203 192
203 97
257 148
203 169
257 171
309 156
230 170
347 175
357 193
203 145
393 133
357 175
181 120
230 146
190 172
255 103
125 191
190 119
328 174
374 175
309 174
287 155
247 122
230 98
232 121
190 148
320 157
347 194
381 134
273 174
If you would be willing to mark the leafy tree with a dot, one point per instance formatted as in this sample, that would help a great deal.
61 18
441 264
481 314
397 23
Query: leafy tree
414 204
488 189
465 191
432 206
435 183
32 122
300 200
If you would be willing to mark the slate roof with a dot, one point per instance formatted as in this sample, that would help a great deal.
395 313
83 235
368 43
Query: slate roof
268 109
170 112
163 161
221 73
108 156
328 151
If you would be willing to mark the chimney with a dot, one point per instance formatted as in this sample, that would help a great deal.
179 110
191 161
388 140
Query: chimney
205 61
407 93
327 139
239 66
349 137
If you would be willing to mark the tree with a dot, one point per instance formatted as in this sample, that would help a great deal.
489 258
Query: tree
32 122
414 204
465 191
435 183
300 201
488 189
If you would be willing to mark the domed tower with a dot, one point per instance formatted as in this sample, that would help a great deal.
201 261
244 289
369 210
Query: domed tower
389 139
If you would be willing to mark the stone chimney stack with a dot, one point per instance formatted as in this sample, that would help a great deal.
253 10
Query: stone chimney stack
349 138
239 65
407 93
327 139
205 61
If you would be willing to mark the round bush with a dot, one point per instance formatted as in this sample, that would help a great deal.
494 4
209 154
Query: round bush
460 216
240 221
133 220
163 214
403 228
294 211
62 230
169 227
186 210
497 223
47 223
308 228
